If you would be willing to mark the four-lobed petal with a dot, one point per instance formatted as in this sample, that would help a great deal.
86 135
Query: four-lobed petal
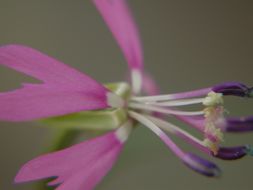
79 167
64 90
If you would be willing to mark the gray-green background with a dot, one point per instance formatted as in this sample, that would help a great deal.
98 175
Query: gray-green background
188 45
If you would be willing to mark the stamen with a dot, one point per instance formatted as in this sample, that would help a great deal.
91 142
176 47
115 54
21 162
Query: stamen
213 99
184 102
182 95
207 146
179 132
196 122
213 146
149 124
192 161
214 113
213 116
146 107
210 128
225 153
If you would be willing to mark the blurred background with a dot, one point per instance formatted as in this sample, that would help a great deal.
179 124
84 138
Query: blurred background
187 45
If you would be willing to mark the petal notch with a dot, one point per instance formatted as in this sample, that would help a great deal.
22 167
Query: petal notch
64 90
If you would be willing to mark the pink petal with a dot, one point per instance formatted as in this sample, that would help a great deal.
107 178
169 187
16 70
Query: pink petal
64 90
79 167
149 85
119 20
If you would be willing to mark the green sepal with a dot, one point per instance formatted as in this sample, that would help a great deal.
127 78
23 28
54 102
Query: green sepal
68 126
90 120
106 119
122 89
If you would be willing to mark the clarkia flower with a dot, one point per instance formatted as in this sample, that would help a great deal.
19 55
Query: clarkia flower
73 100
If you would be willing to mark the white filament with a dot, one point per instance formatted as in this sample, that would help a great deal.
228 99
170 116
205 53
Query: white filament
153 98
145 122
173 129
163 110
184 102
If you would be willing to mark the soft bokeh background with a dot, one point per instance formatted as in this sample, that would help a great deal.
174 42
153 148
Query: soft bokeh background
188 45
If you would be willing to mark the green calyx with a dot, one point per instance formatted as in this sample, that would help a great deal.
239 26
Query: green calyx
90 120
121 89
107 119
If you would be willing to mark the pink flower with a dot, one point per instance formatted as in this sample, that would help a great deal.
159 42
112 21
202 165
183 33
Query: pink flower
63 91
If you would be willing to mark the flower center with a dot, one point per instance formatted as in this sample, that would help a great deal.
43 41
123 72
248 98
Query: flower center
152 109
206 120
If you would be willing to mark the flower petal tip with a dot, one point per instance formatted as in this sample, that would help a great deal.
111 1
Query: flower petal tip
119 19
242 124
25 174
80 166
234 89
233 153
19 177
201 165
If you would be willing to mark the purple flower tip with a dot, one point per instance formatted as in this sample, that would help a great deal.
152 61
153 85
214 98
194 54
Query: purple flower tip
201 165
243 124
234 89
232 153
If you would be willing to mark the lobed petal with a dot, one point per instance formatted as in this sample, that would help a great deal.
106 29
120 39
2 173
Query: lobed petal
64 90
119 19
149 86
81 166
